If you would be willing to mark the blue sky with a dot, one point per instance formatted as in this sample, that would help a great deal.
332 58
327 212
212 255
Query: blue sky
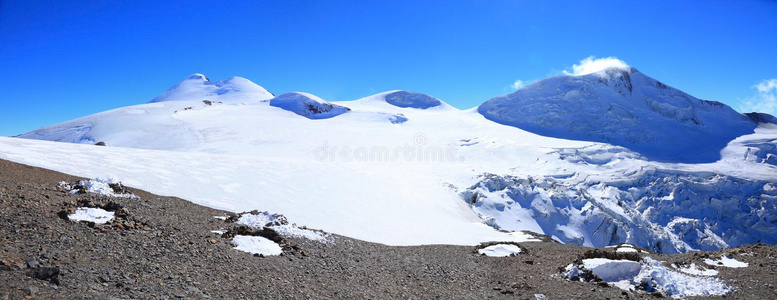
61 60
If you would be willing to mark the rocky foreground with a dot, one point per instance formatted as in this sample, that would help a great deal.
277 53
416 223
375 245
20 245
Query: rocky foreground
164 247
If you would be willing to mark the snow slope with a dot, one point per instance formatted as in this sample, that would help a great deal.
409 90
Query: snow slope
624 107
418 173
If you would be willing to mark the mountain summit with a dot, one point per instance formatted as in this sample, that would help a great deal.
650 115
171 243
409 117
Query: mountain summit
624 107
198 87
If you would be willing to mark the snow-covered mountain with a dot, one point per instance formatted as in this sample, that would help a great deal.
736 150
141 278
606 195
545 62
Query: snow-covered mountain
622 106
199 87
606 158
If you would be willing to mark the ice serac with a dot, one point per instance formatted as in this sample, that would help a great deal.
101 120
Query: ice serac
622 106
231 90
308 105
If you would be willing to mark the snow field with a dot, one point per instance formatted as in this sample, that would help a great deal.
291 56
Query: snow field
403 168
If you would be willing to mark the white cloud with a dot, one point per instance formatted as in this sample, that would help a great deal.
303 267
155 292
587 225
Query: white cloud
765 101
766 86
592 64
517 85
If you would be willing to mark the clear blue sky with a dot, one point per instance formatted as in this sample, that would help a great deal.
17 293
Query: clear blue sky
61 60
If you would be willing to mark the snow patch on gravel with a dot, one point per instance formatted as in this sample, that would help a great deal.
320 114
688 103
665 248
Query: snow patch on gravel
612 270
277 222
626 248
256 245
694 269
89 214
500 250
296 232
100 186
649 275
726 261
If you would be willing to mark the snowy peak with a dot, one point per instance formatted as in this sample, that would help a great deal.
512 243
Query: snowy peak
624 107
199 87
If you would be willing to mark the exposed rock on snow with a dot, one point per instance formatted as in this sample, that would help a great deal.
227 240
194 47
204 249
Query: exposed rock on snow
279 224
762 117
622 107
308 106
397 119
412 100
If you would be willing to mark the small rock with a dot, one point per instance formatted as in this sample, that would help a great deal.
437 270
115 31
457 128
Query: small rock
50 274
212 241
32 263
31 291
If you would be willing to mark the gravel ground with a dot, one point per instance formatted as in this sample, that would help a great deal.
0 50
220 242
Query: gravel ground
163 248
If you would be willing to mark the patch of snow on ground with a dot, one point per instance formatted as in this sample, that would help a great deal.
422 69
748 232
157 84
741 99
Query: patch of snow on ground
279 224
612 270
500 250
693 269
256 245
260 220
296 232
648 274
726 261
678 285
100 186
625 250
89 214
223 218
